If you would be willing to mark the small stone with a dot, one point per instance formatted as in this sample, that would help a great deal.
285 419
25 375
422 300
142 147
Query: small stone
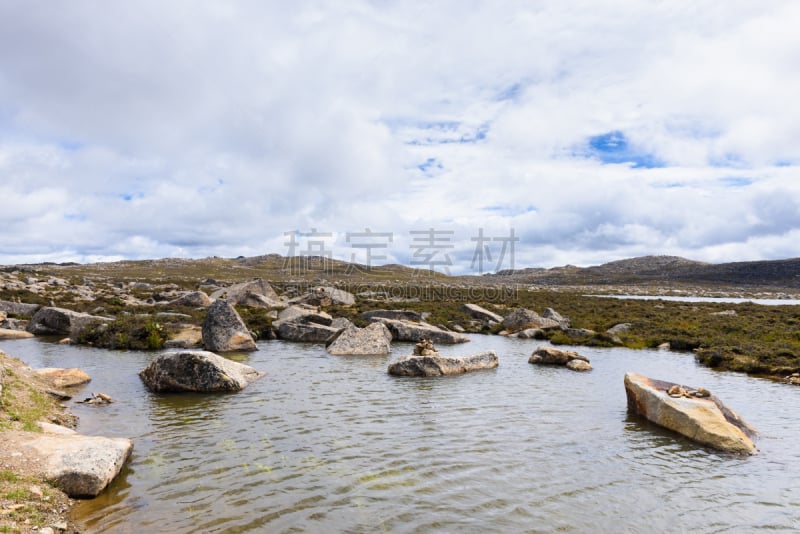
36 491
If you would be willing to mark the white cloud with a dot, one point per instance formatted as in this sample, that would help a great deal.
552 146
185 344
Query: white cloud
149 129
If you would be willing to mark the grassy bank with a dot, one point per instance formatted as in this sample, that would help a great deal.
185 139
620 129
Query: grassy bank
27 503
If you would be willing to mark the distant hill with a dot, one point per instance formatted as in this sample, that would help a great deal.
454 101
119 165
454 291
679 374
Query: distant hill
652 270
645 270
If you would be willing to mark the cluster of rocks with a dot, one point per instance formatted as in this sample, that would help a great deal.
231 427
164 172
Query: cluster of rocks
552 356
426 361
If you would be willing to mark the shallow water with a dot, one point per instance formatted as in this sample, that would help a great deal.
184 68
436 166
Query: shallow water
713 300
333 444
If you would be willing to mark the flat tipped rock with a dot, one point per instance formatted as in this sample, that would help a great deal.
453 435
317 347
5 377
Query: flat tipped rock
705 420
81 466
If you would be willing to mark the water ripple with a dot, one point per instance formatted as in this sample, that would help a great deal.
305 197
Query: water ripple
334 444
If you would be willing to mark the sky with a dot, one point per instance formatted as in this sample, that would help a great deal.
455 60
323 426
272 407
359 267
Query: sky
460 135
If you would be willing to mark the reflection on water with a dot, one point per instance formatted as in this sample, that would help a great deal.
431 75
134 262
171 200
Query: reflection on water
330 443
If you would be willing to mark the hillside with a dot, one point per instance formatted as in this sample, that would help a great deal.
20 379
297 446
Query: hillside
666 270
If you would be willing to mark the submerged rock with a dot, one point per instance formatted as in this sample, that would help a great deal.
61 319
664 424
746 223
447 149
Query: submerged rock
225 331
374 339
437 365
198 371
704 419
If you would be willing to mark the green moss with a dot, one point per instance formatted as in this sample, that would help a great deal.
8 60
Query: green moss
130 332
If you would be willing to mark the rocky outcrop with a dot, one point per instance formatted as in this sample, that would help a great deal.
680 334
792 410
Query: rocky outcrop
257 293
64 378
374 339
530 333
60 321
325 296
553 356
194 299
224 330
563 322
412 331
18 308
81 466
398 315
523 319
481 314
705 420
308 314
437 365
619 328
196 371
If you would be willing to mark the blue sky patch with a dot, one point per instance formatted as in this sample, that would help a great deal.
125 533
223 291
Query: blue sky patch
127 197
512 92
509 210
430 165
614 147
735 181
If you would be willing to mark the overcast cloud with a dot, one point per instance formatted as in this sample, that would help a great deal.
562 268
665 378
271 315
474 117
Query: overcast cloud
593 130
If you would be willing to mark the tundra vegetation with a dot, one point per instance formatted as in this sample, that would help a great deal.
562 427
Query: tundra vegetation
744 337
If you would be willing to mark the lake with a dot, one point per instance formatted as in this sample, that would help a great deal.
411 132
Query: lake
334 444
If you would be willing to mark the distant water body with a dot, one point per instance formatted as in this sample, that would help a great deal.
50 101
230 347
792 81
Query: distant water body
721 300
334 444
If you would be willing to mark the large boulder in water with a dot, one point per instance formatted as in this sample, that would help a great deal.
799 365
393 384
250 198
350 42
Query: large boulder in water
698 415
413 331
225 331
437 365
374 339
197 371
